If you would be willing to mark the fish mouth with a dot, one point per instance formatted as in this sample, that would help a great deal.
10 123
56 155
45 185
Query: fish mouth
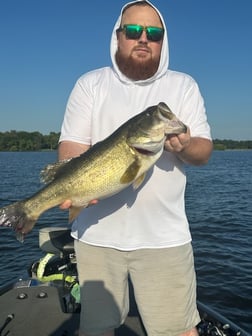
144 151
175 127
149 149
172 124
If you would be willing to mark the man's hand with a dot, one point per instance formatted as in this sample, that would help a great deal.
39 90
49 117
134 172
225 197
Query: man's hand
176 143
68 203
191 150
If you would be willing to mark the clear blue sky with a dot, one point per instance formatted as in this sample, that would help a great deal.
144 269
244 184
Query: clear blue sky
46 45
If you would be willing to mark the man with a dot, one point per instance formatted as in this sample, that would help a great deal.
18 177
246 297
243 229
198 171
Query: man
143 234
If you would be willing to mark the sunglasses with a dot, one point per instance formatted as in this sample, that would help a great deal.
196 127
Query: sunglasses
134 31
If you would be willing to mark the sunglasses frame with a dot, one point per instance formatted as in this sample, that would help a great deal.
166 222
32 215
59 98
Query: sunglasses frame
139 30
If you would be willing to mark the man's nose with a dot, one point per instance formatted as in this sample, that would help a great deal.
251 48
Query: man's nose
143 38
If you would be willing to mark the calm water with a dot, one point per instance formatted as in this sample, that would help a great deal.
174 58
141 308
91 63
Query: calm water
218 201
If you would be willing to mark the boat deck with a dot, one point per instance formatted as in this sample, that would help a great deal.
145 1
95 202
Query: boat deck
37 311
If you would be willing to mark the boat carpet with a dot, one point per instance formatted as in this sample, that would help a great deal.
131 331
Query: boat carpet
38 311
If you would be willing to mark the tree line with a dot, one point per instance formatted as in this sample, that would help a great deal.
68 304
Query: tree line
22 141
232 144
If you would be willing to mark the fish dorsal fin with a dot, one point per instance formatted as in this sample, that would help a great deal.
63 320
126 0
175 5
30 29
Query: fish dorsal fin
139 181
48 174
130 173
74 212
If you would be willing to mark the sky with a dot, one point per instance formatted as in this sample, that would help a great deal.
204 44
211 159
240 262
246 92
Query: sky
46 45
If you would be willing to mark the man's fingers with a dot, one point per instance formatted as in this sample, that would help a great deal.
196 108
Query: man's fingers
68 203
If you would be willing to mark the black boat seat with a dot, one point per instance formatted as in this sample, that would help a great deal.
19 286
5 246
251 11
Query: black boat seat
56 240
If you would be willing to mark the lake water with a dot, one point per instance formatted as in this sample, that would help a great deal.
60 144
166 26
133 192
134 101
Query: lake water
219 207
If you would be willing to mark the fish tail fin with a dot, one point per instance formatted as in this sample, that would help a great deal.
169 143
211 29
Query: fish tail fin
16 216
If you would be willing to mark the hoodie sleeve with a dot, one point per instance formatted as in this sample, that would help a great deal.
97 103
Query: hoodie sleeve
76 125
193 111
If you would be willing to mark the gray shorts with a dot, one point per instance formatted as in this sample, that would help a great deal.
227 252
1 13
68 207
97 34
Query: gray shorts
164 286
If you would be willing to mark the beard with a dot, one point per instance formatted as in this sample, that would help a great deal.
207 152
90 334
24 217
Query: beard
136 69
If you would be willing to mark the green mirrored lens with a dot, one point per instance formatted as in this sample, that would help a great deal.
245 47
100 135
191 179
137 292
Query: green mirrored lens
133 32
154 33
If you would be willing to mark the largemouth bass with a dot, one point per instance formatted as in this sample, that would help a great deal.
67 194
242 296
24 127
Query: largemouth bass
105 169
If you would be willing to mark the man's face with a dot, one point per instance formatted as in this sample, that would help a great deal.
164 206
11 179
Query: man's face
139 59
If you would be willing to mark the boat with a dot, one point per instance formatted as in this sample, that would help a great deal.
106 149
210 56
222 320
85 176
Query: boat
46 303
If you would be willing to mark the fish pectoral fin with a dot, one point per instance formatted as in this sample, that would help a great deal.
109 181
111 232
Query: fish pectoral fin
139 181
130 173
74 212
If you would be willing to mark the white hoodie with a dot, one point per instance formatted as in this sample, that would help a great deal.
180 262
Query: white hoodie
154 215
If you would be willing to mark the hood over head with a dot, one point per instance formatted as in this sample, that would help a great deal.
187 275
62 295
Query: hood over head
164 58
